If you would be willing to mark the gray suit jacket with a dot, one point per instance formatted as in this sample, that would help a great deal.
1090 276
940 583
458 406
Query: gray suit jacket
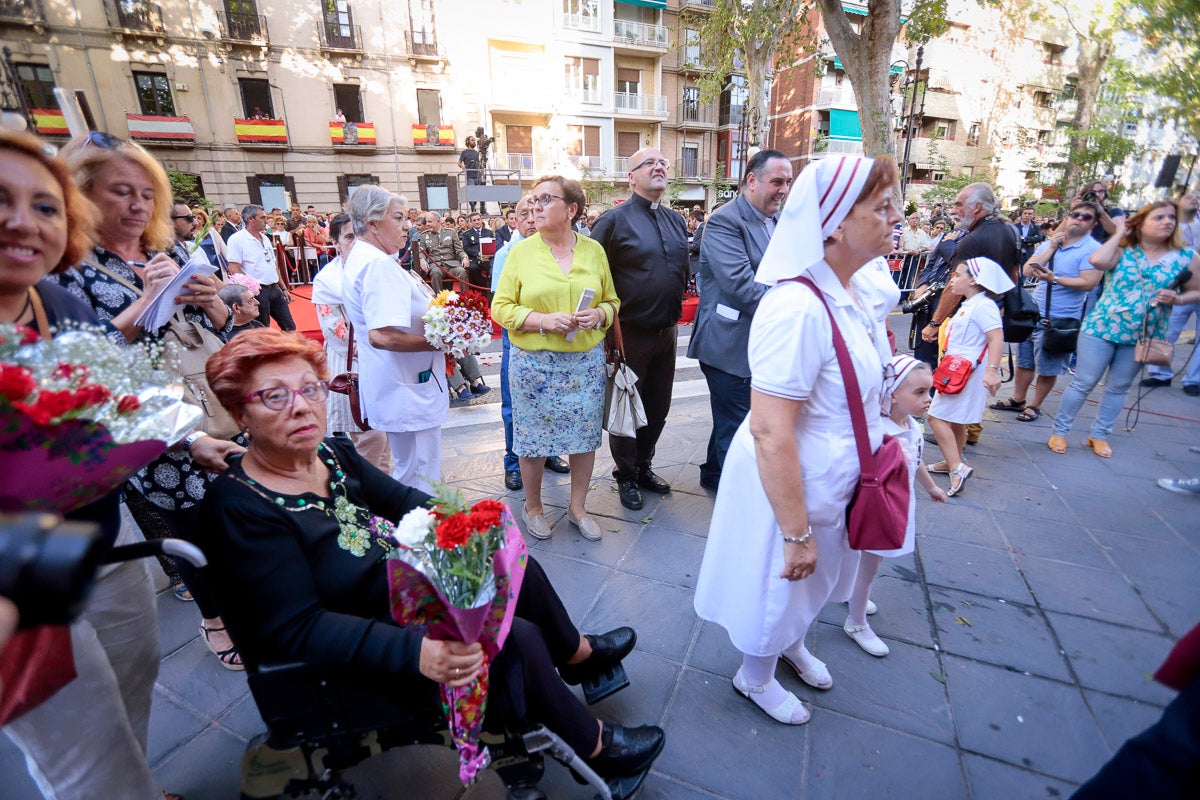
732 247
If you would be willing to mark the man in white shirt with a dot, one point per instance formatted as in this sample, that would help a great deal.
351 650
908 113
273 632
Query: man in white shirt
252 251
913 240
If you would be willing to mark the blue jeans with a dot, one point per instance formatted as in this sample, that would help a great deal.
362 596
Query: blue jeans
1179 320
1096 356
511 462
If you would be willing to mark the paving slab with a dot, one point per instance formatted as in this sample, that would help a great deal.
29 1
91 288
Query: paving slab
995 780
666 555
971 568
1096 593
1114 658
661 612
1055 540
1121 719
903 612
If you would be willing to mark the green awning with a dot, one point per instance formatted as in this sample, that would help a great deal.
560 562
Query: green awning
844 125
894 69
646 3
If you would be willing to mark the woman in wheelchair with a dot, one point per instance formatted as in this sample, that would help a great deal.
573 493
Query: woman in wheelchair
303 579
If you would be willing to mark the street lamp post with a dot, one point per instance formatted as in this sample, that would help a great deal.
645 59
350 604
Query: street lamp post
908 124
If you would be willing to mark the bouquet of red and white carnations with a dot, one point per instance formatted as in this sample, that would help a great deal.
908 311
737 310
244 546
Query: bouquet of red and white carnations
458 323
79 414
457 571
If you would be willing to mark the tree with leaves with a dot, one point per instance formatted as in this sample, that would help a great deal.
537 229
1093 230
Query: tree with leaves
1172 29
754 38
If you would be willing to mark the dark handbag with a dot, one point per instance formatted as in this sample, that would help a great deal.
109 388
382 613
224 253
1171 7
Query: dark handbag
1061 334
877 517
347 382
1020 315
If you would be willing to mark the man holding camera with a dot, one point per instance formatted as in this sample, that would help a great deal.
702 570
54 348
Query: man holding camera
1096 192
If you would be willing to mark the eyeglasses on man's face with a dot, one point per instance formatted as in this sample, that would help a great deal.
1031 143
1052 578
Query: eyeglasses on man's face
279 398
653 162
188 217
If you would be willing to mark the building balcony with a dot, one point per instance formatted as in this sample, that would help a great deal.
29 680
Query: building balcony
164 130
837 97
1066 109
583 94
423 46
339 32
433 136
245 28
261 132
352 134
839 147
639 35
586 22
135 17
699 6
695 115
642 105
527 165
25 13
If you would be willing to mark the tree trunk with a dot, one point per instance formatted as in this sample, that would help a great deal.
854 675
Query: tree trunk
866 57
1093 55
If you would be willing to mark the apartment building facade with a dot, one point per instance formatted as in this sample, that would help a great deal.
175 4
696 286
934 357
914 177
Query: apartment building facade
274 100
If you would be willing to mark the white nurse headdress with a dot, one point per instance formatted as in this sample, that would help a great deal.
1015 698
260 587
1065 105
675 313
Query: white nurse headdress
988 274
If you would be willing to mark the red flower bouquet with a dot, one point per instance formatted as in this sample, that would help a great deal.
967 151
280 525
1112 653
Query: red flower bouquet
458 571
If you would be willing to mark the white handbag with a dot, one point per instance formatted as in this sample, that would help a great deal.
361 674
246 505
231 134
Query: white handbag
623 409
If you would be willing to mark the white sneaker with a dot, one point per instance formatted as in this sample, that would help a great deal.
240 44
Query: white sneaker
866 639
1180 485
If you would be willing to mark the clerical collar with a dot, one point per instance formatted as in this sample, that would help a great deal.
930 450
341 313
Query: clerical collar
650 204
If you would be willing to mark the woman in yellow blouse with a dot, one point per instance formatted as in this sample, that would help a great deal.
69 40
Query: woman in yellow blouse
556 371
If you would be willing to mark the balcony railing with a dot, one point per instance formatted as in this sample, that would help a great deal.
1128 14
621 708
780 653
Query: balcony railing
22 12
701 4
136 16
583 94
620 166
693 113
653 104
245 27
840 147
338 31
422 44
837 96
639 34
582 22
529 165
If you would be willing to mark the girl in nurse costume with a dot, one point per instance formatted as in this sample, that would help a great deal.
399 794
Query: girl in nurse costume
777 548
975 328
906 389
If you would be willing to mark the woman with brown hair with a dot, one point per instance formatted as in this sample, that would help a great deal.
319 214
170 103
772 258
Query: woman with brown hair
556 368
777 547
1139 262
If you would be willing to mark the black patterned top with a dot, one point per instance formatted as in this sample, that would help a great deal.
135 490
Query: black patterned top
173 481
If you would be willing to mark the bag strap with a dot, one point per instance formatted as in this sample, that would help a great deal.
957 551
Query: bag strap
616 352
858 416
1049 286
351 346
98 266
39 313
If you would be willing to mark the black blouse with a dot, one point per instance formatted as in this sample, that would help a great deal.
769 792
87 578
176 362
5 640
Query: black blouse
290 584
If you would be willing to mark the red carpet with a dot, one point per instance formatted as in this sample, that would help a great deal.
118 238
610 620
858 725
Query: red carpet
304 313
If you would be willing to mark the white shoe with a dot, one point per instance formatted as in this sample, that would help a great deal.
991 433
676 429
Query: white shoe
871 608
866 639
587 528
790 712
817 675
538 527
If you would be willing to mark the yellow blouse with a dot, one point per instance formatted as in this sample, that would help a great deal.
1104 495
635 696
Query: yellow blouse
532 281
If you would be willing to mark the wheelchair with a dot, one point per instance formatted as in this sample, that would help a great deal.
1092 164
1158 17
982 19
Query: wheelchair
320 724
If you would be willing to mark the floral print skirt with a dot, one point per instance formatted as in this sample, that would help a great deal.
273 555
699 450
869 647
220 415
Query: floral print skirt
557 401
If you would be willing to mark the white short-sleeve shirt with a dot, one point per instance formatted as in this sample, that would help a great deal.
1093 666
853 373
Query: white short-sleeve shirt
256 254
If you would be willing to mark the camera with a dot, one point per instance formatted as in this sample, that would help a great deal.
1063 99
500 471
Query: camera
1091 196
47 566
921 301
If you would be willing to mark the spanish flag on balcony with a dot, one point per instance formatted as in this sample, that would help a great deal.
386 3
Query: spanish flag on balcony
271 131
167 129
50 122
425 135
352 132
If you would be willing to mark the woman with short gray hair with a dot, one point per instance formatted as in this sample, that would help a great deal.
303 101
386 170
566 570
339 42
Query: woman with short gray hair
402 376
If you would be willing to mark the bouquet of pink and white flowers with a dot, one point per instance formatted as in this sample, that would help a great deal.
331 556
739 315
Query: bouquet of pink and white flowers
458 323
458 570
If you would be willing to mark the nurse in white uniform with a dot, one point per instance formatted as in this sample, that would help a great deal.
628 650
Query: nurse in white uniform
777 549
402 376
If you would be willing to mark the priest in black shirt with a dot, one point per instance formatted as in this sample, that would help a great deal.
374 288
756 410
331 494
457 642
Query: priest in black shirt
647 248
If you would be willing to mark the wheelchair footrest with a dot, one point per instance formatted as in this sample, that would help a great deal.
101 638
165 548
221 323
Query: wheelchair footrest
605 685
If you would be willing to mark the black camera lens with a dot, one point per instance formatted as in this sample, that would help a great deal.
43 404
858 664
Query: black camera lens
47 566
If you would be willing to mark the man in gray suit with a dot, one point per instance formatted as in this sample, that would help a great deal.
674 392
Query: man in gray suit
735 238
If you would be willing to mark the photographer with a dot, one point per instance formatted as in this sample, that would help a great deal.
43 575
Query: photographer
468 162
1096 192
928 291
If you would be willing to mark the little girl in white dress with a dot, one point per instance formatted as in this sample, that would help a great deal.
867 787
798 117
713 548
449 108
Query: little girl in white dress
905 395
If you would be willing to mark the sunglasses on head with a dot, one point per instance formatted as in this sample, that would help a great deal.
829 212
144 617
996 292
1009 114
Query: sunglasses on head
1081 216
103 140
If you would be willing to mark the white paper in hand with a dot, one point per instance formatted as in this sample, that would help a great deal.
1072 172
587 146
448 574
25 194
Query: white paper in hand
162 306
585 301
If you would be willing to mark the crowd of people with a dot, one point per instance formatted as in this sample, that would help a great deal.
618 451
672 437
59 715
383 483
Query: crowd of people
792 334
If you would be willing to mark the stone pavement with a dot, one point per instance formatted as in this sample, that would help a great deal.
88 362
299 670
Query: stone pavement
1023 631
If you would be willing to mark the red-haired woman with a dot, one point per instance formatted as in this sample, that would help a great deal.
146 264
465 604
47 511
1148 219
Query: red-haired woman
297 543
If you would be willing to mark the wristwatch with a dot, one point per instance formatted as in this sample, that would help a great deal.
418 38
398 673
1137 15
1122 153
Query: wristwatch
192 438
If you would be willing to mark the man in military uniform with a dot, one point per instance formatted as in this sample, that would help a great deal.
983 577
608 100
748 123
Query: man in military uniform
470 240
442 252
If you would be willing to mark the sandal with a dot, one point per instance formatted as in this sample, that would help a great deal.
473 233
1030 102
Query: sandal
229 658
1057 444
182 593
817 675
1008 405
1029 414
1099 447
940 468
790 711
962 473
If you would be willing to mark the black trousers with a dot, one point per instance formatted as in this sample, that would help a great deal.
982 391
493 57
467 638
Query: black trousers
650 353
729 398
271 304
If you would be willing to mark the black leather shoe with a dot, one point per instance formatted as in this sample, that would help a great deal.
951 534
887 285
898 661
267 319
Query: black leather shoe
1148 382
627 751
556 464
631 496
709 483
608 650
512 480
652 483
